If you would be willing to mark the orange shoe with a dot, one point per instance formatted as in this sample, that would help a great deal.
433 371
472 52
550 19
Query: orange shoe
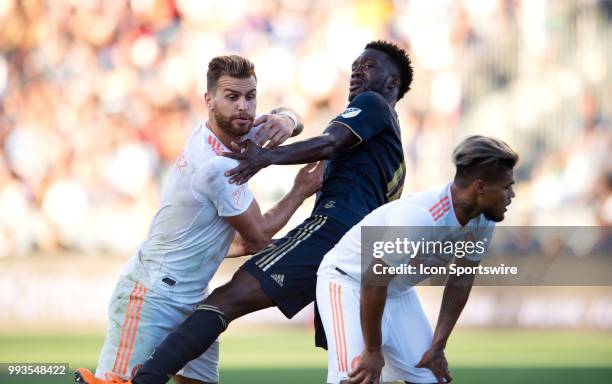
84 376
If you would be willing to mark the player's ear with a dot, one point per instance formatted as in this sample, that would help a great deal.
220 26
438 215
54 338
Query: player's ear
479 186
394 82
209 101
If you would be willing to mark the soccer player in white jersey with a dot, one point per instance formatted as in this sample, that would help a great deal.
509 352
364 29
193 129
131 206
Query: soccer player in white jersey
200 216
374 321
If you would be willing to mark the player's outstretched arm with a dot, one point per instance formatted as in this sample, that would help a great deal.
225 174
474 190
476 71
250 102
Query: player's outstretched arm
256 230
336 139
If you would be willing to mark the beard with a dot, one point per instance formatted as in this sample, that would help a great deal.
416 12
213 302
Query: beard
226 124
494 216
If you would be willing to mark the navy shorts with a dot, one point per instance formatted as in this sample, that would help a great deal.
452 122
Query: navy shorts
287 267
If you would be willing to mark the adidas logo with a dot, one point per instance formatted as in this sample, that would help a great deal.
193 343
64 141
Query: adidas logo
278 278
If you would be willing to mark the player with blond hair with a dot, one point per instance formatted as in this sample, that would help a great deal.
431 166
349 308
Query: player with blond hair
372 316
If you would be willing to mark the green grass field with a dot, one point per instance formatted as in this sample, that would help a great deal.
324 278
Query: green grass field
286 355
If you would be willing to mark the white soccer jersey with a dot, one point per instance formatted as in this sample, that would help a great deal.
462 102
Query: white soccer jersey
189 236
431 209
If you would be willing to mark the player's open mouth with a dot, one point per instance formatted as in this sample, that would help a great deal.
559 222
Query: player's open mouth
243 120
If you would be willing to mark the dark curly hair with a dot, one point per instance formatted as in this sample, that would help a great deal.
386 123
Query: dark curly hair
399 57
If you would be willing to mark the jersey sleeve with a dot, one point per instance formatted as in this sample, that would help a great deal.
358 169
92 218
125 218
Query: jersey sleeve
366 116
210 183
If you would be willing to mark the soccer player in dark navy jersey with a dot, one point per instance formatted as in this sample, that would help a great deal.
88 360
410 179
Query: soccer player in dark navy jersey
370 174
365 170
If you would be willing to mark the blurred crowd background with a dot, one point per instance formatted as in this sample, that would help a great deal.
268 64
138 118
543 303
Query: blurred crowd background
98 97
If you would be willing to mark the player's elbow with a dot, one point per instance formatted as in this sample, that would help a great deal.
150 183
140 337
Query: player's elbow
257 243
340 139
331 146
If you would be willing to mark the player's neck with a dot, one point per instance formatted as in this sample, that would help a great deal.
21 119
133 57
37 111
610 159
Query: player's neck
464 209
391 98
225 138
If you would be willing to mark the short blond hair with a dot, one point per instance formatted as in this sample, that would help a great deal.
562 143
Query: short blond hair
483 157
483 150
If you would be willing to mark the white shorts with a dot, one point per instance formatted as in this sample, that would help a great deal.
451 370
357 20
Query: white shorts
406 333
138 320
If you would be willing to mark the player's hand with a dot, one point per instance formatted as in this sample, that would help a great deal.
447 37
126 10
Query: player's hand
435 361
251 157
309 179
274 130
369 368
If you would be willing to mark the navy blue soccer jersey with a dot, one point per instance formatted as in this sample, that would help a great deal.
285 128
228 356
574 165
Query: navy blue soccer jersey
372 172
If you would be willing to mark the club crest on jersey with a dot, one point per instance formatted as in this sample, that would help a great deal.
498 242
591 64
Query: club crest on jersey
181 162
238 196
350 112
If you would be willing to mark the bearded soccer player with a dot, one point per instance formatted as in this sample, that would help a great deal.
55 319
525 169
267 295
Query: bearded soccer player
373 318
365 169
191 233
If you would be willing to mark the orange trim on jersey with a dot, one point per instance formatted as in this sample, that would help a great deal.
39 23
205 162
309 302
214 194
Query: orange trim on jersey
126 320
215 144
339 322
441 201
345 360
439 216
130 325
134 330
440 209
339 345
334 320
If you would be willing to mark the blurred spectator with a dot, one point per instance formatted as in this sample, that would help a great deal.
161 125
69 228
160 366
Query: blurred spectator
97 99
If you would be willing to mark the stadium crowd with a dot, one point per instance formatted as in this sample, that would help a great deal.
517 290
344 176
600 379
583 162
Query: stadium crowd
98 97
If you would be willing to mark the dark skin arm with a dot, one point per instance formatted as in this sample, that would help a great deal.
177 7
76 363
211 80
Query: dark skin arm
456 294
336 139
255 230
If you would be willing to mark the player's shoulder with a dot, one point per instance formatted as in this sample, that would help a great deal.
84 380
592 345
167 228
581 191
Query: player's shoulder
198 133
430 205
196 146
218 165
370 99
429 198
210 176
406 212
367 104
